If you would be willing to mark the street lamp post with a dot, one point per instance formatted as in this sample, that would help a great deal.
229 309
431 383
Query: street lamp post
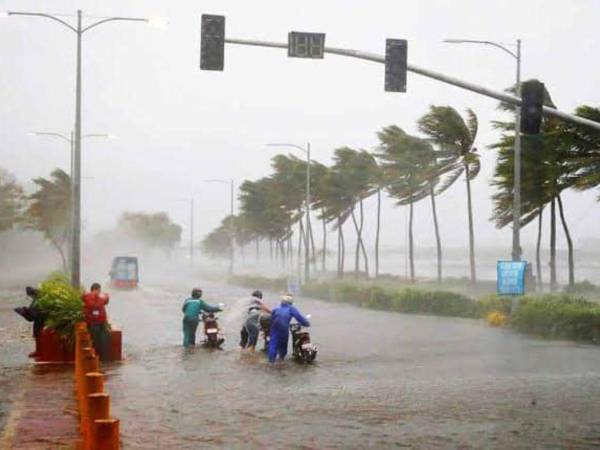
191 201
79 29
70 140
516 213
308 227
231 224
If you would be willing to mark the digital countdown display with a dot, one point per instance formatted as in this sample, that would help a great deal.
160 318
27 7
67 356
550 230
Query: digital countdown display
306 45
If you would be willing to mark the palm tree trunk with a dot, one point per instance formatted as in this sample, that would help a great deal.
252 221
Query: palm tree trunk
411 254
538 261
312 245
569 242
324 256
299 256
343 260
61 252
257 249
362 243
553 283
271 249
339 249
437 235
357 249
377 233
471 233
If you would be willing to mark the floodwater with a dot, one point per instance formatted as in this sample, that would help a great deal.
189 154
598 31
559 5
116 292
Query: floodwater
382 380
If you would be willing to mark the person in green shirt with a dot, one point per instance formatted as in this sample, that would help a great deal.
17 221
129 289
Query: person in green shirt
192 308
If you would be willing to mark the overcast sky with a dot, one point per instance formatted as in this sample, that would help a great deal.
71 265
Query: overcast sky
178 126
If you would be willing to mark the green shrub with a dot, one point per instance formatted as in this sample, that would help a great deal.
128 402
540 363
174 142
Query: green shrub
61 304
558 316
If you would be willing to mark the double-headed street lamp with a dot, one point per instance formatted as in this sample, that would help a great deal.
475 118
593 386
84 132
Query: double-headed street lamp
516 240
79 29
70 140
308 230
231 224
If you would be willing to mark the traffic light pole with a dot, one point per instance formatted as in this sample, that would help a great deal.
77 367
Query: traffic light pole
516 247
502 96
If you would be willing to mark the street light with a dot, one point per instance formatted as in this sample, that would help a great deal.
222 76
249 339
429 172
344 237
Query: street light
516 240
70 139
191 201
308 228
231 224
79 30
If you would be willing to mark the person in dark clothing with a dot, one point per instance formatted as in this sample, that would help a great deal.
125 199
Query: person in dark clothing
94 309
32 313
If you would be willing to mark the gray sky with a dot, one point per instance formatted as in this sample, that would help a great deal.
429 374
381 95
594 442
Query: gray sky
178 126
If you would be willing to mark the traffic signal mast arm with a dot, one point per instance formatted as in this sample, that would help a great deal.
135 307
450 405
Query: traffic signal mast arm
430 74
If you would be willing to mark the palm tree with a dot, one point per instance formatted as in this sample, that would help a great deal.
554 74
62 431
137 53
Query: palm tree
49 210
456 136
405 161
549 166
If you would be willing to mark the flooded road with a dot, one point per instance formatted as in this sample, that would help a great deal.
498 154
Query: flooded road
382 380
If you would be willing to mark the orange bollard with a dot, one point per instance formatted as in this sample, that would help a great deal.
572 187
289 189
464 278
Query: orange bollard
105 434
94 383
99 409
89 364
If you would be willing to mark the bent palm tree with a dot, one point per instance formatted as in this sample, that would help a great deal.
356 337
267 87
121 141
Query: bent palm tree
456 137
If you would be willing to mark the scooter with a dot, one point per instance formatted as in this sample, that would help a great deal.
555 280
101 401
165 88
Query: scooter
213 334
303 350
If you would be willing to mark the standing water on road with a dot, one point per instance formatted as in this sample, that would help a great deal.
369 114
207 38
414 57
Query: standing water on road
381 379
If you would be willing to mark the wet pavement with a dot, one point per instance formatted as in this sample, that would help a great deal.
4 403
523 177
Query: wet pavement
382 380
37 409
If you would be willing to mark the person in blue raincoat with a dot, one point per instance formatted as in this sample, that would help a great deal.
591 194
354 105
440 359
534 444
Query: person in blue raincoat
280 327
191 309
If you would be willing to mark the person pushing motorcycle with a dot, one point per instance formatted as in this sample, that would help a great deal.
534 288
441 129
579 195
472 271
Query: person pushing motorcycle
280 326
250 329
191 309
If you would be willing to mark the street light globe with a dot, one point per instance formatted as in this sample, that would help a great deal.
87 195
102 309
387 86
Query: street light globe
158 22
111 137
3 14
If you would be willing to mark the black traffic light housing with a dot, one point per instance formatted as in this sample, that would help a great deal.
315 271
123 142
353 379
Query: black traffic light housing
396 65
212 42
532 102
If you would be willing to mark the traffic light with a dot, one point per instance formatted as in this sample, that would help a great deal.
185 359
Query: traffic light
212 42
532 101
306 45
395 65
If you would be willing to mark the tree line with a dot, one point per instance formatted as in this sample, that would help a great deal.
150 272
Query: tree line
47 210
411 169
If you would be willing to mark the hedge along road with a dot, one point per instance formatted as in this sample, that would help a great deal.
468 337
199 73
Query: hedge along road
382 379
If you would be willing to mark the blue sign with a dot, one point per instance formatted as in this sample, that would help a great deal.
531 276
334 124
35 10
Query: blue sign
511 277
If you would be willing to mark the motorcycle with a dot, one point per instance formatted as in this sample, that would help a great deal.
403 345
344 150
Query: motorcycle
213 334
303 350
